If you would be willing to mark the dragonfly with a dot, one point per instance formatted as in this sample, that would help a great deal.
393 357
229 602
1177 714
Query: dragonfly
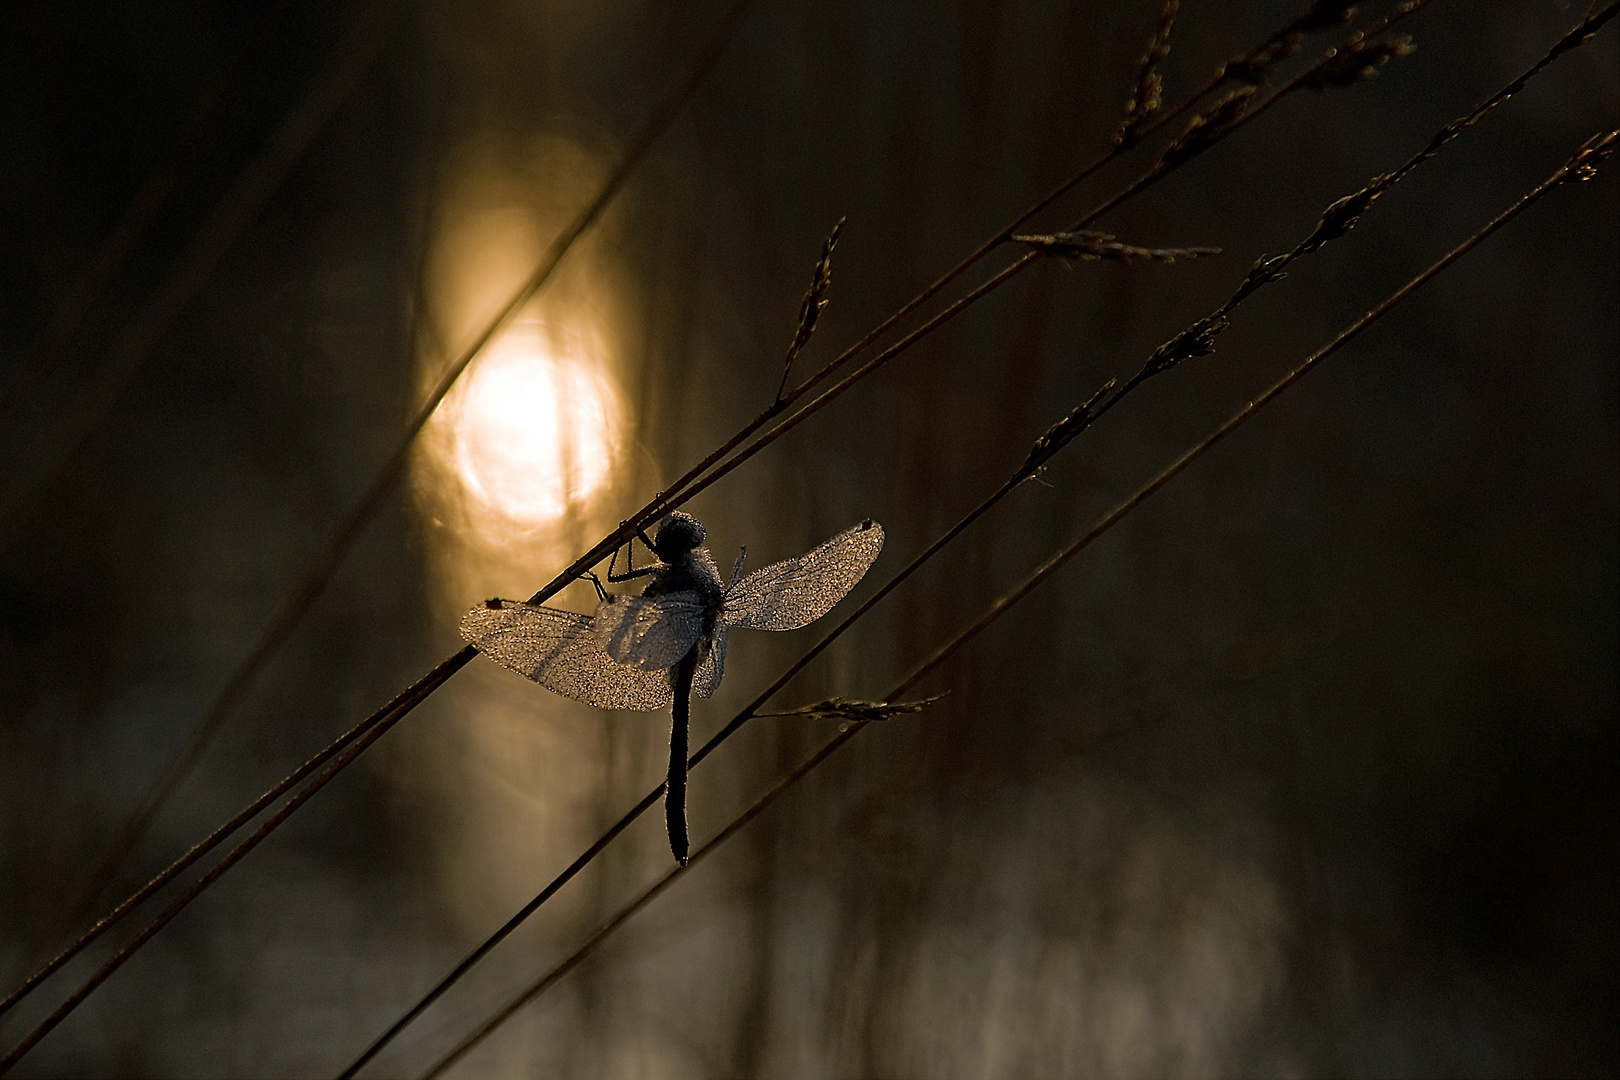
642 652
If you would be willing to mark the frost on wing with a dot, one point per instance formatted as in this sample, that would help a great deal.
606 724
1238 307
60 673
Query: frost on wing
787 595
712 665
558 650
649 632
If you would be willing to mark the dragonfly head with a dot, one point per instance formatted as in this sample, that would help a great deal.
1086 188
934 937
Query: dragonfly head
677 536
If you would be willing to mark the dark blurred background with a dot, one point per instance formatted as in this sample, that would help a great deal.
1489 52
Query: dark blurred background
1306 769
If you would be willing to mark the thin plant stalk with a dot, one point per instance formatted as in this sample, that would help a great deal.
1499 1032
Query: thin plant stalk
448 667
315 580
351 527
1578 167
1222 74
219 835
697 479
411 699
1049 444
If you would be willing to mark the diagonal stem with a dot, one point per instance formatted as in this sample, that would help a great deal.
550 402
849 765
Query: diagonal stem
106 864
605 547
1569 170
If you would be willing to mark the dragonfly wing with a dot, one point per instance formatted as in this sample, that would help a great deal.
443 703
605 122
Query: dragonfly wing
558 650
706 680
649 632
790 594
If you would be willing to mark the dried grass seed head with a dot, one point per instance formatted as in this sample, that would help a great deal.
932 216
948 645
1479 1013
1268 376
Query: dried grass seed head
1358 62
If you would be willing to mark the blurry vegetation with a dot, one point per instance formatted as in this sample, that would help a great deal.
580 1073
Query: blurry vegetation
1305 768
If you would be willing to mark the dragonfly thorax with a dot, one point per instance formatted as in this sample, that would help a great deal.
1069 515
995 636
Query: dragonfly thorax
693 570
687 567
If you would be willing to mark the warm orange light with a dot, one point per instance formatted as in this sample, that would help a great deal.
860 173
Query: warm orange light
533 428
513 476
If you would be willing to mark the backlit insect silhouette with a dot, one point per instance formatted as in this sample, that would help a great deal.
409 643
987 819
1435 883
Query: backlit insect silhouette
643 652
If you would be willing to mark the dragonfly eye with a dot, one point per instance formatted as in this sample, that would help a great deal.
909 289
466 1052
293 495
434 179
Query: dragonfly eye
678 534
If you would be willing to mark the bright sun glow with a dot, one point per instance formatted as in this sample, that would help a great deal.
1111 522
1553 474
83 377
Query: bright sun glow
533 427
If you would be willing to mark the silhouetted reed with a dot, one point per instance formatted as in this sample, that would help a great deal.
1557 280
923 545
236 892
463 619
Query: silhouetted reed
1357 59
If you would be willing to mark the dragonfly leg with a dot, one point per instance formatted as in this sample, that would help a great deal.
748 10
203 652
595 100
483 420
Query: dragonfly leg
601 593
630 555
